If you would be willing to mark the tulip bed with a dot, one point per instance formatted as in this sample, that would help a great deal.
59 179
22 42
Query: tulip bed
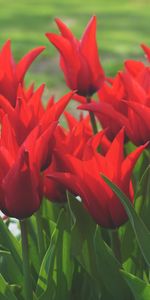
80 193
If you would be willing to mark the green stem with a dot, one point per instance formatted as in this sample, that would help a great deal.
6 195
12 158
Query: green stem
26 264
92 118
115 244
41 244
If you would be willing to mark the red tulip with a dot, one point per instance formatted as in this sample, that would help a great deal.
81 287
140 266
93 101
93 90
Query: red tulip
125 103
110 110
67 142
29 112
21 186
82 177
11 74
79 59
79 142
138 99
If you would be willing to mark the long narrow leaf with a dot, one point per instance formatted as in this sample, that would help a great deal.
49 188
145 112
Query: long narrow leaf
109 270
140 230
5 290
47 266
139 288
10 243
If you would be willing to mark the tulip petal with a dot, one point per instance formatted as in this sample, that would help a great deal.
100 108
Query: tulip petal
134 90
115 153
6 61
89 49
70 63
65 31
21 189
134 67
54 112
129 163
142 111
146 50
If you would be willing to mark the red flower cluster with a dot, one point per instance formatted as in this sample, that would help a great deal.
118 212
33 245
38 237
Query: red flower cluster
83 179
27 137
125 101
39 157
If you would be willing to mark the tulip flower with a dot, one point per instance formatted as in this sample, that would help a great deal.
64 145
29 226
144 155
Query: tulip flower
11 74
110 110
70 142
78 141
125 103
79 60
21 183
83 178
29 112
21 188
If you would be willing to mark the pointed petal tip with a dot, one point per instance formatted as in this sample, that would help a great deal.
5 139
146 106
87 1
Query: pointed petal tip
58 21
146 50
6 46
51 36
120 135
122 130
93 20
8 42
41 87
146 145
70 93
47 34
40 48
143 46
61 26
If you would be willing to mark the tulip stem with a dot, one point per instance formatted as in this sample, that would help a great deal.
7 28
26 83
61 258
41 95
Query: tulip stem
41 244
115 244
26 264
92 118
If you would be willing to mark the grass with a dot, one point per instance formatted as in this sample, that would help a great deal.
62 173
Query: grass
122 26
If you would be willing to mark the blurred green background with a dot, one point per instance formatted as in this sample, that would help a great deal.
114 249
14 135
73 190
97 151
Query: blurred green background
122 26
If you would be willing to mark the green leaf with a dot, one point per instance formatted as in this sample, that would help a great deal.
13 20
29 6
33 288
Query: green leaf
109 270
85 277
83 230
140 166
7 267
64 260
142 202
5 290
95 257
48 229
140 230
139 288
10 243
126 234
59 261
142 184
51 210
33 245
46 284
47 266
